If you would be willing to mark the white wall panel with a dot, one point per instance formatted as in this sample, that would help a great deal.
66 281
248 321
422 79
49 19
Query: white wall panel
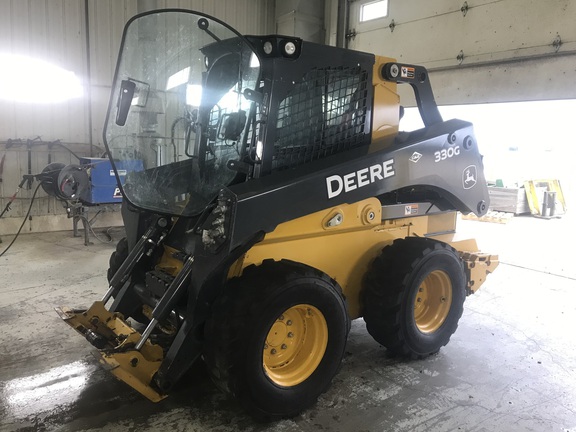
106 19
82 37
246 16
507 46
50 31
55 31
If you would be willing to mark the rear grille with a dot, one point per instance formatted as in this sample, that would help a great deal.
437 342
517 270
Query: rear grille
324 114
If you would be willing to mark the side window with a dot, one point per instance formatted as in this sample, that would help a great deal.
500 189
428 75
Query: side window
373 10
323 114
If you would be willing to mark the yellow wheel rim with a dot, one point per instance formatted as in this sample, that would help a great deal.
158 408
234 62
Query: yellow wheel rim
433 301
295 345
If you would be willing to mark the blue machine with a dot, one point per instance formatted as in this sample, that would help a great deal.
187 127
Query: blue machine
103 186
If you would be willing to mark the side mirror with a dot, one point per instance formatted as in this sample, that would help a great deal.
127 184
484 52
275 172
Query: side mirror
125 97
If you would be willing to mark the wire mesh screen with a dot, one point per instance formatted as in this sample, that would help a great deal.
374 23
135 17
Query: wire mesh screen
323 115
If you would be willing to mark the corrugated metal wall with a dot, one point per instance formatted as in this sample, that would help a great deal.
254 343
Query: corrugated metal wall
106 19
82 37
52 31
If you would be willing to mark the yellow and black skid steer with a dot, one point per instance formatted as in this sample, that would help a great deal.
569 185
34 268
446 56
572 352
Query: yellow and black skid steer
270 199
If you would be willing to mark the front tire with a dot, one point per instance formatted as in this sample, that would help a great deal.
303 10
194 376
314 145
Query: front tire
276 338
117 258
414 296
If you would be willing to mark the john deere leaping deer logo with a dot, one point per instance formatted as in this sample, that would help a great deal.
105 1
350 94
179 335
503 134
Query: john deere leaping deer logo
469 177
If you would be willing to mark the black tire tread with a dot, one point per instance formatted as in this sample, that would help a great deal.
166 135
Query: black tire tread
241 299
117 258
383 290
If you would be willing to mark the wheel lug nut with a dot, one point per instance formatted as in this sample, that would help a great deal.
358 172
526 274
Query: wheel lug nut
289 322
290 334
273 351
442 299
419 300
420 289
265 346
281 318
284 346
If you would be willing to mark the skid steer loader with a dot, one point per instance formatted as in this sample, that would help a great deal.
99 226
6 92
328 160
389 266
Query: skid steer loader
269 199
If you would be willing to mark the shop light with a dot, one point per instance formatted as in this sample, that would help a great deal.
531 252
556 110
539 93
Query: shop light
30 80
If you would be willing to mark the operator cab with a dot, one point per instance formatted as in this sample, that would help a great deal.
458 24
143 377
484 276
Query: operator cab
201 107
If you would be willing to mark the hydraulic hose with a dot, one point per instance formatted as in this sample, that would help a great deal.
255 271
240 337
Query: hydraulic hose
25 218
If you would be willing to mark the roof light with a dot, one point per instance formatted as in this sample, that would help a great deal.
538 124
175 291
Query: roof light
289 48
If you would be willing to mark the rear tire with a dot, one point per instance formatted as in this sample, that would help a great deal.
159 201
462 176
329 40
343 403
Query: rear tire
276 338
414 296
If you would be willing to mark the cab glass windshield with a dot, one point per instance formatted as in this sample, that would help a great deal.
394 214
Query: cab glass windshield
180 114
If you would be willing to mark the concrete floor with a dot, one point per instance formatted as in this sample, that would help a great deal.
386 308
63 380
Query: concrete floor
511 366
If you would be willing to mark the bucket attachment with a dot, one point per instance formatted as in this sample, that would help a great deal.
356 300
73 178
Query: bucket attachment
115 340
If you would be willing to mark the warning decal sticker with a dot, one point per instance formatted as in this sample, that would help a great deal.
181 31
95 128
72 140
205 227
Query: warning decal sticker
407 72
411 209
